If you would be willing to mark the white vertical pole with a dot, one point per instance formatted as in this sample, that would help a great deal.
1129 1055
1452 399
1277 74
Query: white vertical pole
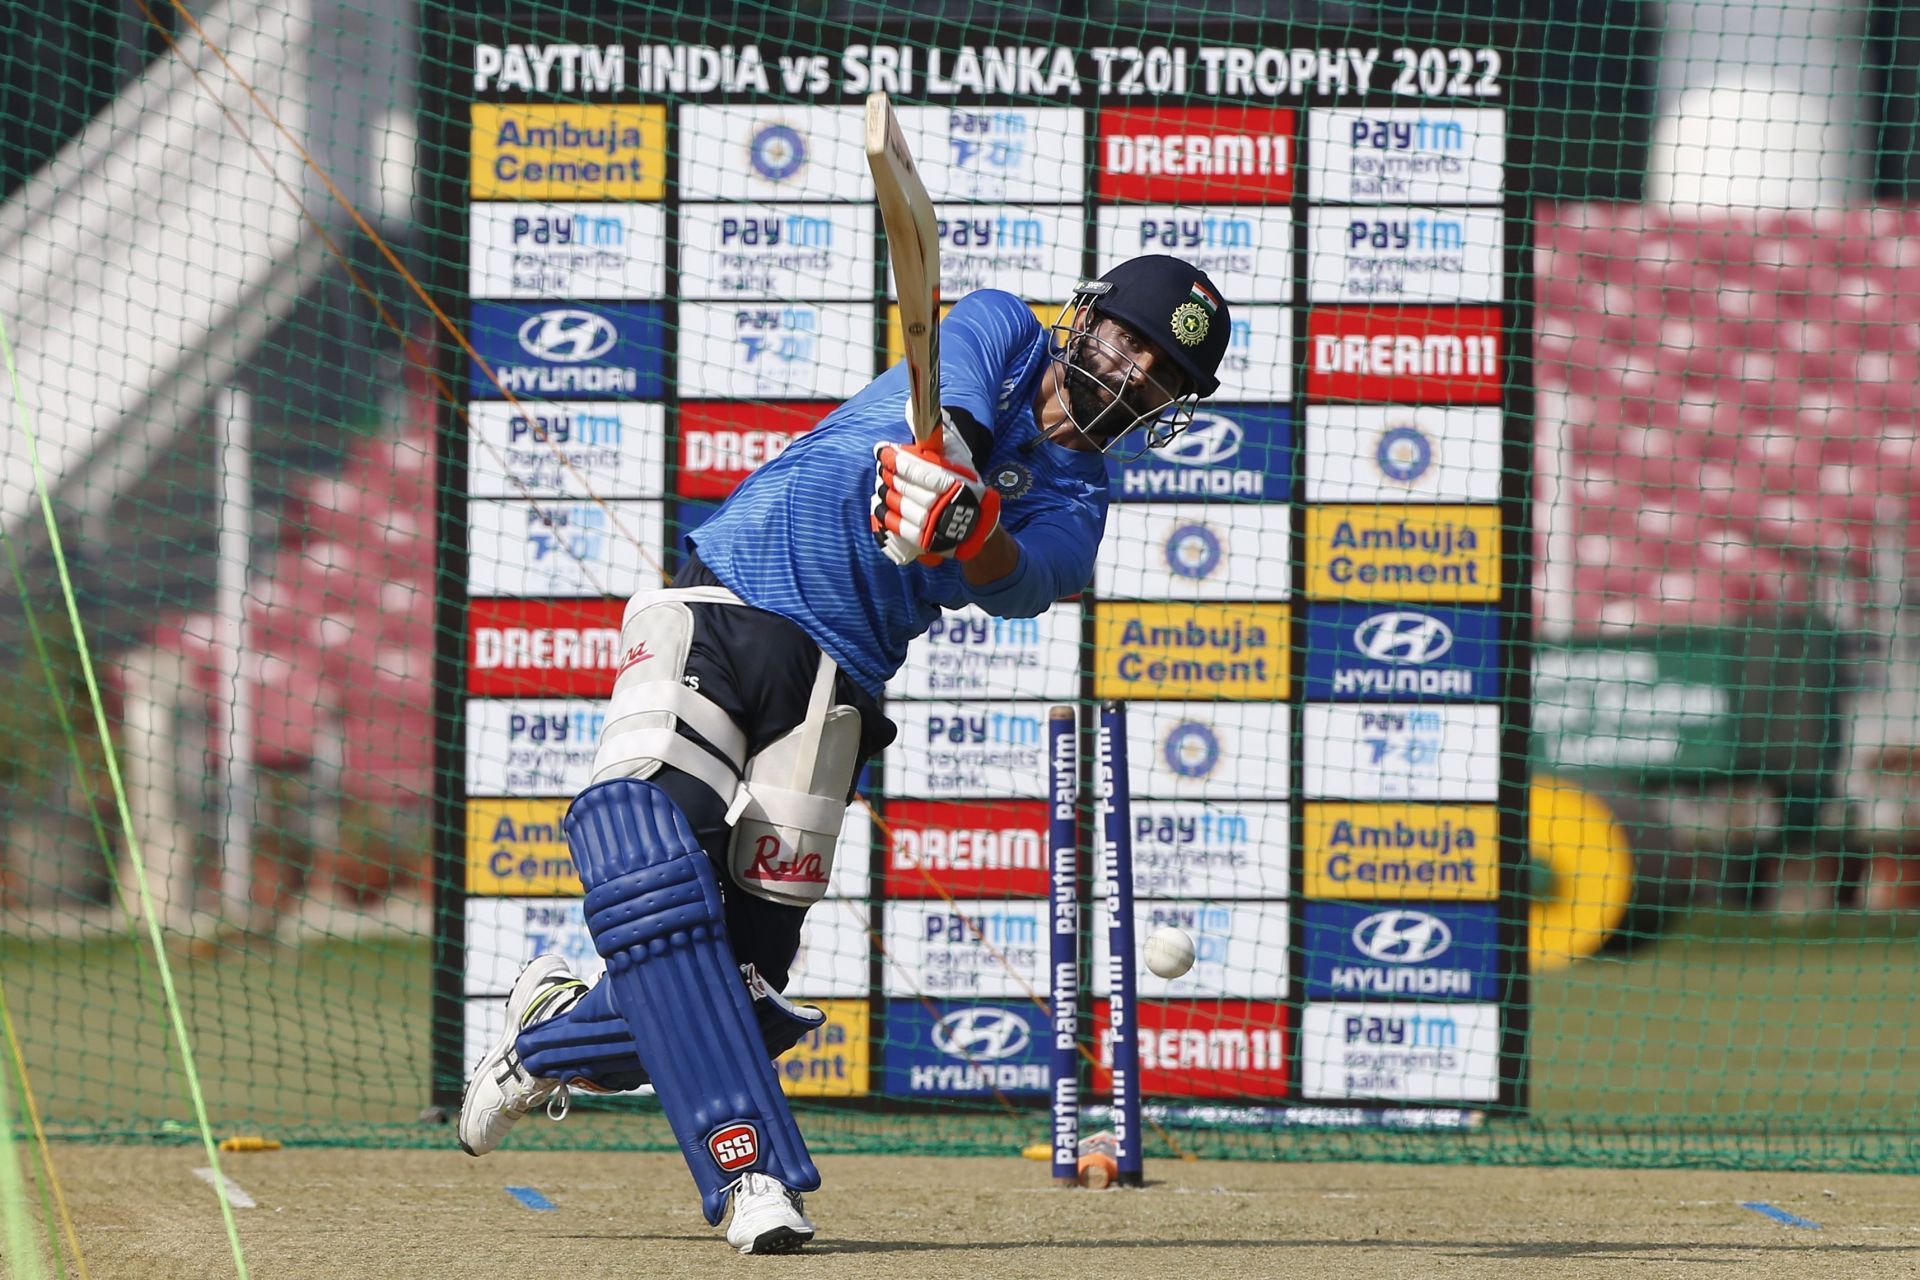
234 409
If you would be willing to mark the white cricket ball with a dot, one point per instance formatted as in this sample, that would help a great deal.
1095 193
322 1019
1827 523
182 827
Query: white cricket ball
1169 952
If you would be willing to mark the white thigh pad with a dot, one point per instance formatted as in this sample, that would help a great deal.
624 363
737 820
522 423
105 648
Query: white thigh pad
795 798
650 699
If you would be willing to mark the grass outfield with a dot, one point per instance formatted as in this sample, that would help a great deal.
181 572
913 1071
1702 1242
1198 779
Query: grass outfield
1779 1046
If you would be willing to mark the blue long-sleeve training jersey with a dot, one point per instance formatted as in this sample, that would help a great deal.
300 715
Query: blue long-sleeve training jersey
794 538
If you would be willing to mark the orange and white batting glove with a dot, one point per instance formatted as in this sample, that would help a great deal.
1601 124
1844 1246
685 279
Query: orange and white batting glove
929 502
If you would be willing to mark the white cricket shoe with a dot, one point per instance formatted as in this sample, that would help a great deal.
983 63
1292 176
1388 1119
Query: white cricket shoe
767 1218
501 1090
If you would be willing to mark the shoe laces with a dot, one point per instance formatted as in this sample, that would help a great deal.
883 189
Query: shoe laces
559 1103
553 1002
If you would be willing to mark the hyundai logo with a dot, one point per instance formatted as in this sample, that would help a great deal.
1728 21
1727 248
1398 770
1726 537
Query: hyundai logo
981 1035
567 337
1210 438
1402 937
1403 636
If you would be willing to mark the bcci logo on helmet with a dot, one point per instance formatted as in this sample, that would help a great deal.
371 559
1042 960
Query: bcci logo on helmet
734 1146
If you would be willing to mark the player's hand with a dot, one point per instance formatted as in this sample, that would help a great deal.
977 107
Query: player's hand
929 502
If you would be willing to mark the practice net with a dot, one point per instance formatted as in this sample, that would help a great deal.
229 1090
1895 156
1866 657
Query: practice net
1521 707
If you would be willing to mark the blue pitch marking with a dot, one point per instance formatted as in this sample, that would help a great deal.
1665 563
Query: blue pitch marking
532 1199
1779 1215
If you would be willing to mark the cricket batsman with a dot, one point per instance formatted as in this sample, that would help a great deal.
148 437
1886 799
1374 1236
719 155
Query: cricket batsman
749 693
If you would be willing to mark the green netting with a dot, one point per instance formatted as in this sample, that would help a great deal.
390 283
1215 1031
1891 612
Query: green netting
1524 704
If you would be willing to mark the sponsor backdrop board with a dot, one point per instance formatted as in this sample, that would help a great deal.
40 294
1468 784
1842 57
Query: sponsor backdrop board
1239 949
964 1048
1206 849
967 653
1196 551
966 947
565 449
568 250
1204 1049
1303 599
1403 1052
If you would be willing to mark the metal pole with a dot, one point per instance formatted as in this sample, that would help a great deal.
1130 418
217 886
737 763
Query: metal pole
234 408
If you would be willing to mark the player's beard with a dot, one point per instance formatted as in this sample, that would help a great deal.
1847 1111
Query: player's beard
1102 410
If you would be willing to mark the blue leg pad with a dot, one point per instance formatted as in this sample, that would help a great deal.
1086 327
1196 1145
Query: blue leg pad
590 1043
654 908
587 1044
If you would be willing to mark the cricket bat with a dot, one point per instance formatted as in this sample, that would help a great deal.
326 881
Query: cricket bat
913 250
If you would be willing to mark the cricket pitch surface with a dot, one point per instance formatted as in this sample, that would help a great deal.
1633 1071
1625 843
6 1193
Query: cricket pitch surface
423 1215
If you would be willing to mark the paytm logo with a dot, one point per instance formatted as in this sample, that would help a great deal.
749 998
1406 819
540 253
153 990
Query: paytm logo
571 229
1408 233
576 530
576 728
982 1034
1210 232
793 231
567 337
1402 936
1394 133
580 427
1403 636
787 335
988 139
1001 232
989 928
1411 1031
992 726
1004 632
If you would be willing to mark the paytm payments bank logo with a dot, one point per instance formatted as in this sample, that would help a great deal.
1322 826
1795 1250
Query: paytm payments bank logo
590 251
1384 653
576 351
1408 156
1031 252
1405 255
956 749
1229 453
1246 251
1403 1051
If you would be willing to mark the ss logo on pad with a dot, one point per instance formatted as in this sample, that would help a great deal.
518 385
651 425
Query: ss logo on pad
734 1146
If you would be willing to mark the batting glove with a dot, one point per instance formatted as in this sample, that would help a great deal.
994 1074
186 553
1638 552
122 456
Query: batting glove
929 502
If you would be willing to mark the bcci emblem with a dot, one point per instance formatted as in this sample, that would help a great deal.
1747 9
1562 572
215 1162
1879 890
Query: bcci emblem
1193 551
1010 480
1191 750
777 152
1403 454
1190 324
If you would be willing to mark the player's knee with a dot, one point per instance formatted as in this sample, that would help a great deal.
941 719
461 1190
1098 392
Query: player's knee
644 871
